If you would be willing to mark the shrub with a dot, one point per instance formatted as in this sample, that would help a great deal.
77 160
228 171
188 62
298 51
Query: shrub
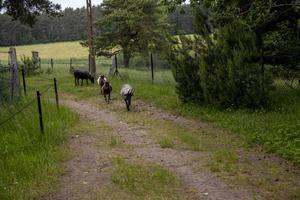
229 73
226 74
185 69
29 65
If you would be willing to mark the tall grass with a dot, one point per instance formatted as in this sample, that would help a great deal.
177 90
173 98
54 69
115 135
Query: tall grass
29 161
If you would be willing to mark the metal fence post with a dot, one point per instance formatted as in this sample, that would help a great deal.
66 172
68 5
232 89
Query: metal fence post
152 68
40 63
40 111
71 63
56 93
51 61
24 82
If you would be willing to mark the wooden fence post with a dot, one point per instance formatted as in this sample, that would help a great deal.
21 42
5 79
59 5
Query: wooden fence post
24 82
40 111
56 93
152 68
90 63
15 90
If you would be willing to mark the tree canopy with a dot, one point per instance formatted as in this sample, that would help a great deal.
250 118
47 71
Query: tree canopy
27 10
133 25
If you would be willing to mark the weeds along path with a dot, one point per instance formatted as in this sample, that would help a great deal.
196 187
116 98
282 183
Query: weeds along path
84 168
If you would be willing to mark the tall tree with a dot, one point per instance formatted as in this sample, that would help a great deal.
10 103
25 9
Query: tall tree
133 25
27 10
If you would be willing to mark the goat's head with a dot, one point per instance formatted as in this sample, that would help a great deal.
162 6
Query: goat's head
106 84
92 79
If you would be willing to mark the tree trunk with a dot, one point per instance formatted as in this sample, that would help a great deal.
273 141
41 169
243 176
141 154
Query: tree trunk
126 56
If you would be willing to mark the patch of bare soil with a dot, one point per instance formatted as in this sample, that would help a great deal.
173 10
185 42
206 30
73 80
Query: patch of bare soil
88 158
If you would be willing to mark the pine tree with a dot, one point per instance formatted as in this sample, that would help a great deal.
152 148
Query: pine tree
133 25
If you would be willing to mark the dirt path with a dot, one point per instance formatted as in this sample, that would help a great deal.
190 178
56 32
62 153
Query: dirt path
86 172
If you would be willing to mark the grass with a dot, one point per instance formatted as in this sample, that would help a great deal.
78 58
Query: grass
29 163
223 161
145 181
166 142
58 50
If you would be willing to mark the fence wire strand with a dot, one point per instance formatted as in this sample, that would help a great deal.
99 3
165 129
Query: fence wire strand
13 115
17 112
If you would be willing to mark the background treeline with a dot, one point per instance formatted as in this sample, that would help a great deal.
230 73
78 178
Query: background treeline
71 26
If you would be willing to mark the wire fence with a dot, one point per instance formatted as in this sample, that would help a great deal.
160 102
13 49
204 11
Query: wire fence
4 83
15 110
9 80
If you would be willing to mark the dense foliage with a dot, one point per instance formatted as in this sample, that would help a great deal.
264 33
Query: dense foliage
134 26
237 42
27 10
71 26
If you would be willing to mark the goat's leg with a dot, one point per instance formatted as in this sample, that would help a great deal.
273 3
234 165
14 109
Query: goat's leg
75 81
108 97
127 105
129 101
82 82
87 81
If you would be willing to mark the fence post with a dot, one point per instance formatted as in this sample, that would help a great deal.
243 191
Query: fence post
90 63
152 68
24 82
51 61
40 111
71 63
56 93
40 63
14 79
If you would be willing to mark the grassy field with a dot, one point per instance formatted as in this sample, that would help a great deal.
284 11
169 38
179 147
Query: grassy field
59 50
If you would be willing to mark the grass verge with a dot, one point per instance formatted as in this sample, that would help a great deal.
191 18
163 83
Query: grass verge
29 163
145 182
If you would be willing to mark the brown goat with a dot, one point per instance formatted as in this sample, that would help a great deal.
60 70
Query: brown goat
106 91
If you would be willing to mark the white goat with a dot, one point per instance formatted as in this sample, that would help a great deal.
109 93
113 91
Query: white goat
127 93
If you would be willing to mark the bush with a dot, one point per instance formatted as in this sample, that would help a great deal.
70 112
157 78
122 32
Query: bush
229 72
226 74
185 69
29 65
